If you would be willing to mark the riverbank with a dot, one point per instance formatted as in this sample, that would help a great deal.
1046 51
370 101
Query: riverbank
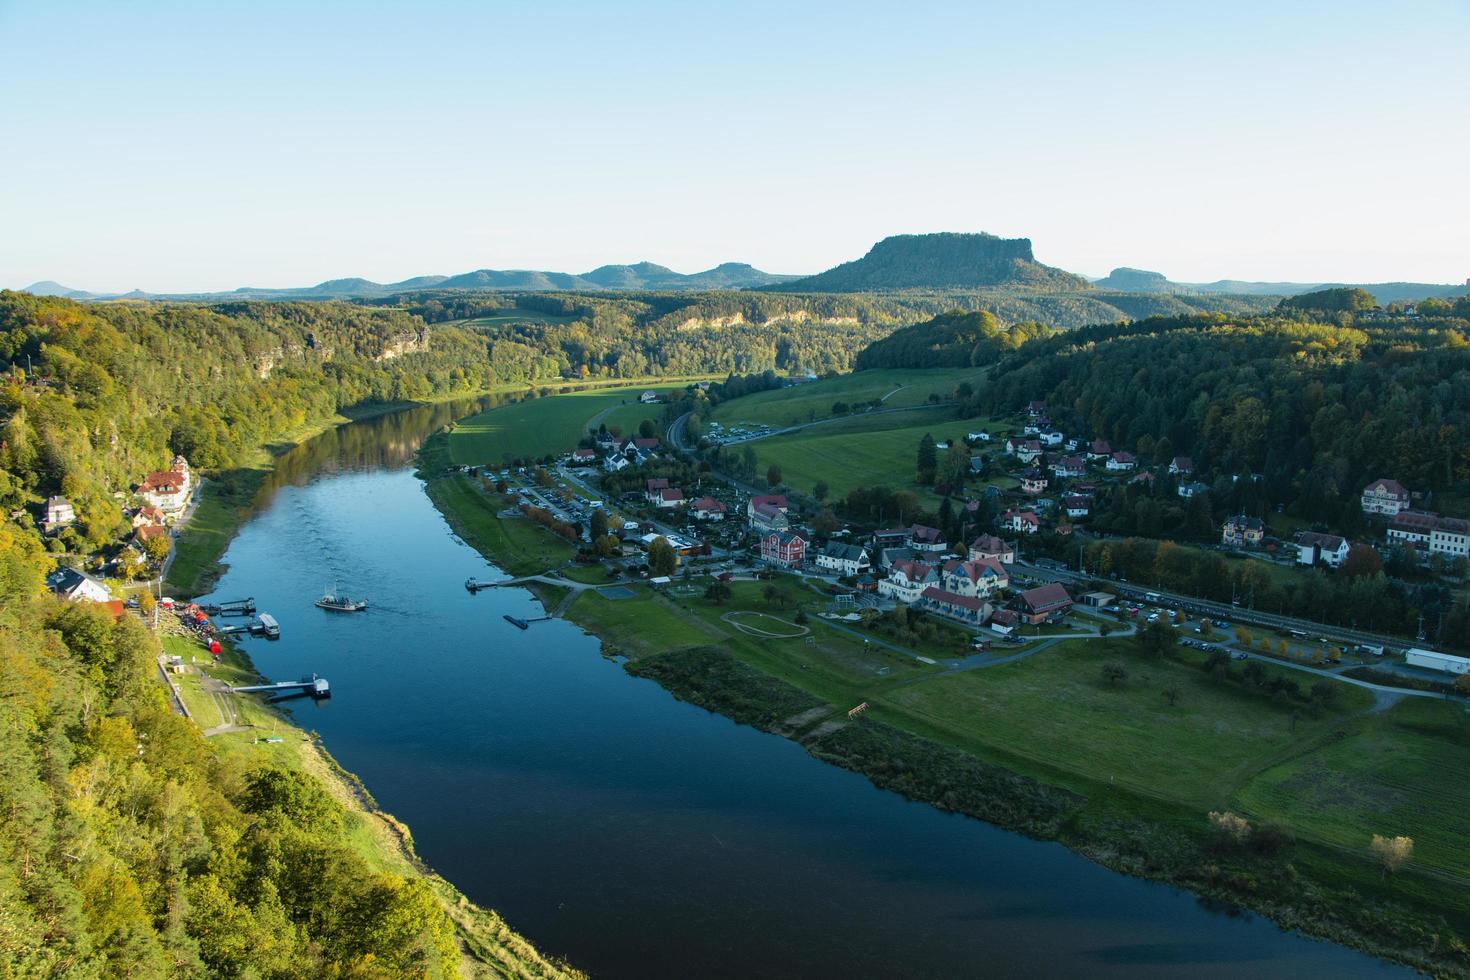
803 692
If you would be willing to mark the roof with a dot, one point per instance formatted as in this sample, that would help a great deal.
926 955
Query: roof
708 503
774 499
164 481
1182 463
1250 523
671 494
1101 447
649 443
846 552
920 532
1045 598
1123 456
990 544
914 571
934 594
783 537
583 453
1414 520
1004 617
149 531
975 570
657 483
1327 542
1393 487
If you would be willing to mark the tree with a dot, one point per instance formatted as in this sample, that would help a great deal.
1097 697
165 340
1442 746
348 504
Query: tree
599 524
1157 638
605 546
927 460
647 428
156 547
1171 695
1462 685
1113 673
821 490
662 559
773 475
1361 560
954 467
1392 852
146 605
1230 826
800 617
717 592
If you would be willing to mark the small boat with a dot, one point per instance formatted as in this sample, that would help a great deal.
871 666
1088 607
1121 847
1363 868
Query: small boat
337 602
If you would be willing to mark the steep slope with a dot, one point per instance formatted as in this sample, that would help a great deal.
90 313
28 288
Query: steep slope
944 260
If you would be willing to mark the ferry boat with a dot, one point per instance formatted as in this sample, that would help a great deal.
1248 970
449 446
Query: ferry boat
340 603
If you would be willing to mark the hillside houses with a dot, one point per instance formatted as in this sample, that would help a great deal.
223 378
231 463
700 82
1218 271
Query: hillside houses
1099 450
168 490
1385 498
1121 462
59 513
1068 467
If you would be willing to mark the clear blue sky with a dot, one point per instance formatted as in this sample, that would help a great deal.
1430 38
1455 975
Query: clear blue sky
203 145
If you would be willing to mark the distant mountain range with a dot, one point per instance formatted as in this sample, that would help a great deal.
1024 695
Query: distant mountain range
938 262
1125 280
944 261
645 276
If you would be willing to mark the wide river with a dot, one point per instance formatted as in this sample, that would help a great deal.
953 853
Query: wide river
638 836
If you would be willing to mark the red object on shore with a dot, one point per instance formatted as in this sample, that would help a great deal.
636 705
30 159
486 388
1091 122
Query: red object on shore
214 647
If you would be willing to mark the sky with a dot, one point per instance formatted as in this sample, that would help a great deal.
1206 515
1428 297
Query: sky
201 146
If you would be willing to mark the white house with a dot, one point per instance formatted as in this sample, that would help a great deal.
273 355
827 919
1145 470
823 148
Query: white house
844 559
648 397
1386 497
75 586
1181 466
974 578
1313 547
1451 537
708 509
59 513
1024 521
988 546
978 437
669 498
1122 462
1188 490
168 490
615 462
908 580
1052 437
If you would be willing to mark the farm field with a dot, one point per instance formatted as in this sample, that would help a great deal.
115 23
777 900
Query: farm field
1406 771
536 426
812 401
866 451
1056 709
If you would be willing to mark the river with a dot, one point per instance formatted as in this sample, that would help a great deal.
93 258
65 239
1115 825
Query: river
638 836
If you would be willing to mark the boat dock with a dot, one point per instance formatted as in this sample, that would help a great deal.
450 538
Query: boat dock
234 607
315 686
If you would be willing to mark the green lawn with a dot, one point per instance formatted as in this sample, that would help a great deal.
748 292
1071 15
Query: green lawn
537 426
867 451
517 545
1406 771
1054 708
808 402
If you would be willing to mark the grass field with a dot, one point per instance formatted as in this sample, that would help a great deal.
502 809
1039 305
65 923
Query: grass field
1406 771
537 426
862 451
520 547
808 402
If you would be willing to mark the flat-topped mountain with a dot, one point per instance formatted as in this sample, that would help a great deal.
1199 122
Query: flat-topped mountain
944 260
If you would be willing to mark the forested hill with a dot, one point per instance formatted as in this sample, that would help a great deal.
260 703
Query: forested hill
954 339
940 261
1317 410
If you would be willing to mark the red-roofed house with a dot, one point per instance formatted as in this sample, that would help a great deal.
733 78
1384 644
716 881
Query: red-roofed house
974 578
1099 449
783 549
767 513
907 580
582 457
1069 466
708 509
1181 466
989 546
966 609
1122 462
1044 602
669 498
1024 521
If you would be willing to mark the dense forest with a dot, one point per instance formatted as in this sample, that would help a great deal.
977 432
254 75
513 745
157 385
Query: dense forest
129 848
949 340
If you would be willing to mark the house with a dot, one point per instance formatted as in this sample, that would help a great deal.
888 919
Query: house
652 486
783 549
669 498
144 516
1181 466
1069 466
1029 451
1188 490
888 557
649 444
1052 437
977 464
1003 621
974 578
1036 409
1451 537
1386 497
767 512
907 581
988 546
615 462
1122 462
977 437
1413 527
1043 602
926 539
1144 478
890 537
1064 529
1033 481
1099 449
583 457
75 586
966 609
708 509
648 397
148 532
1076 506
1024 521
1313 547
168 490
844 559
1098 600
59 513
1243 532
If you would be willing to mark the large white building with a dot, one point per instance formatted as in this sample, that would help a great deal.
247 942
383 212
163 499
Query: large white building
1386 497
1437 661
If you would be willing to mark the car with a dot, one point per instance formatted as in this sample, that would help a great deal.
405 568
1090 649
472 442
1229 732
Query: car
1153 617
1221 624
